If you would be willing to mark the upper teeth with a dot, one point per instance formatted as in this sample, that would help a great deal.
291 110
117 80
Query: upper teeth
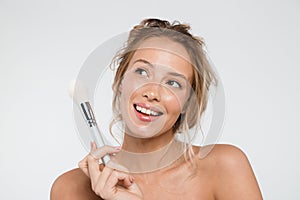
146 111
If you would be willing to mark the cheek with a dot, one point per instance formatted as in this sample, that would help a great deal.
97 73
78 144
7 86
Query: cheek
174 103
127 89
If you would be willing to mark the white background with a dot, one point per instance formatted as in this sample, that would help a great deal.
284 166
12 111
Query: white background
254 44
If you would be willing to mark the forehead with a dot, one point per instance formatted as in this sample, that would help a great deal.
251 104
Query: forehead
165 52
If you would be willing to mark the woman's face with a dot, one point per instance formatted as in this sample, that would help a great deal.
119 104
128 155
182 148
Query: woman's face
155 88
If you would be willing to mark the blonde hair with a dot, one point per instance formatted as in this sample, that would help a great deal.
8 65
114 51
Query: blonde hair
203 74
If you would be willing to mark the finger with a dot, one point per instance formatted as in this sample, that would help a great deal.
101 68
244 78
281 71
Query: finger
116 177
95 155
83 165
127 181
109 189
93 169
93 146
105 174
102 151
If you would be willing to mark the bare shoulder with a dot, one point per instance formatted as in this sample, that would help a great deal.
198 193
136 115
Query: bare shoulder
231 171
221 155
73 184
227 155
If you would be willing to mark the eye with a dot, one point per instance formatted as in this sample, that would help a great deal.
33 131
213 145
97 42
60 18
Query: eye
141 72
174 84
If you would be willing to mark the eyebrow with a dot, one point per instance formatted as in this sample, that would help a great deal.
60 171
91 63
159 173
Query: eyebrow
178 75
144 61
151 65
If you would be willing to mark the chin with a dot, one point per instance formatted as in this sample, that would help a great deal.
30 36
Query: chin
143 131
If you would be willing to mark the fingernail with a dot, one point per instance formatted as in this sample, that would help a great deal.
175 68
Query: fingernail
118 148
93 146
131 179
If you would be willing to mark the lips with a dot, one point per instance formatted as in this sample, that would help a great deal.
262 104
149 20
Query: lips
146 113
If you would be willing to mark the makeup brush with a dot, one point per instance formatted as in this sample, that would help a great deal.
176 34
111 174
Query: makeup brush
80 97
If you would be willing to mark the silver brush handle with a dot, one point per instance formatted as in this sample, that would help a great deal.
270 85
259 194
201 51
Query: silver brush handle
89 116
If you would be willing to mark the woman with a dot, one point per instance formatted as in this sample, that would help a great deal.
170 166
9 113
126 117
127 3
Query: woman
160 90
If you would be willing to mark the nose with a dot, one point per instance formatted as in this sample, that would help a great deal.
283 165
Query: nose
152 92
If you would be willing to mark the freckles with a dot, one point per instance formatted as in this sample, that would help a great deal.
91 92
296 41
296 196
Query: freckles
173 102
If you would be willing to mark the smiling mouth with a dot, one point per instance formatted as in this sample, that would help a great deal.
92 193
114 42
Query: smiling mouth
147 111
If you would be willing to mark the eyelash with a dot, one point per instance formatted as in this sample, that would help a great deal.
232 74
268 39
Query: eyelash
172 81
140 71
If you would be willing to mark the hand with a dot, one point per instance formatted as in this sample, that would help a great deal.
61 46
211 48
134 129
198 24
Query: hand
108 183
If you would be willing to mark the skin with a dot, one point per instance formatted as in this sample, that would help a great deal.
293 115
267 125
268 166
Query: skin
159 93
224 174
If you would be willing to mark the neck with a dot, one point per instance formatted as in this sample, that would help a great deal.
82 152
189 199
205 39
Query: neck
133 162
145 145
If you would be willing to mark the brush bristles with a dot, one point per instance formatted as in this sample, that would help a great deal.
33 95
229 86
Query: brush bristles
78 92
